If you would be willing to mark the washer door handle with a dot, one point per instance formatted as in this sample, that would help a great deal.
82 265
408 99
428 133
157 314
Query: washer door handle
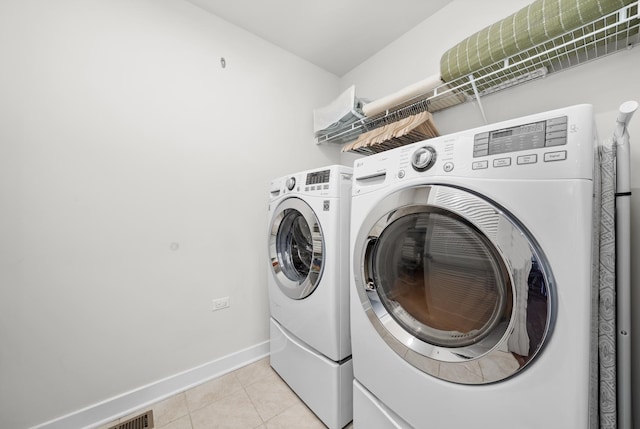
368 250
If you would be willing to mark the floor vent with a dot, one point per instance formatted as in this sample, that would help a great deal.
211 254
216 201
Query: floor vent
143 421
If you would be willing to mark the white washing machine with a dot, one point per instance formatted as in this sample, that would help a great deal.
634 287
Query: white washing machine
308 283
471 287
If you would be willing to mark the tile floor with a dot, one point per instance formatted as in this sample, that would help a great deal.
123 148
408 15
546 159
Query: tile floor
252 397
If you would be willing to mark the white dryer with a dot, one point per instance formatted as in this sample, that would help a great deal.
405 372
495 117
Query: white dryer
471 288
308 283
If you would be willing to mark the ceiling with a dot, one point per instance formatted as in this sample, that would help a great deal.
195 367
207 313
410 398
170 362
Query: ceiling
335 35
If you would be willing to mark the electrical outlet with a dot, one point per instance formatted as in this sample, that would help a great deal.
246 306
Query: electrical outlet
220 303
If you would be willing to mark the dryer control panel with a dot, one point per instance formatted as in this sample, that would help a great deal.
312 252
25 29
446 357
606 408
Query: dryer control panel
558 144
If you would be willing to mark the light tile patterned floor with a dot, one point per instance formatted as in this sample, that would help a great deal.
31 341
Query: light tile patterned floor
252 397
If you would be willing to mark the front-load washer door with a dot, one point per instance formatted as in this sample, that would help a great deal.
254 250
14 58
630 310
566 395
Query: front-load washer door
453 284
296 248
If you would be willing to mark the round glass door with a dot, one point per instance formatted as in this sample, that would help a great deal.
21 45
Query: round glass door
296 248
455 286
440 278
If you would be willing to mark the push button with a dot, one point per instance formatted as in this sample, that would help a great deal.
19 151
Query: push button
556 121
557 134
502 162
481 137
555 156
555 142
556 127
527 159
480 165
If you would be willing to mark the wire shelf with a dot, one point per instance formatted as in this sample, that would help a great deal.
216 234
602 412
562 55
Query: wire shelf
609 34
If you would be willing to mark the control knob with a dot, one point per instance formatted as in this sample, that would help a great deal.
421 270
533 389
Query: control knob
291 183
423 158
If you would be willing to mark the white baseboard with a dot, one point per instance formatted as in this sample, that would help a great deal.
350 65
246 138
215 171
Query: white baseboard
122 405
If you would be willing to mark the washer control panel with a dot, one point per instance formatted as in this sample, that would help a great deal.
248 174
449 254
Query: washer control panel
536 135
309 181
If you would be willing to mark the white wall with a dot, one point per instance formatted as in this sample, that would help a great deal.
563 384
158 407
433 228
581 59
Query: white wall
133 190
605 83
133 175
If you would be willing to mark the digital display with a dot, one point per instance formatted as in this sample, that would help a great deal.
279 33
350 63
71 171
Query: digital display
523 137
498 134
318 177
538 127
